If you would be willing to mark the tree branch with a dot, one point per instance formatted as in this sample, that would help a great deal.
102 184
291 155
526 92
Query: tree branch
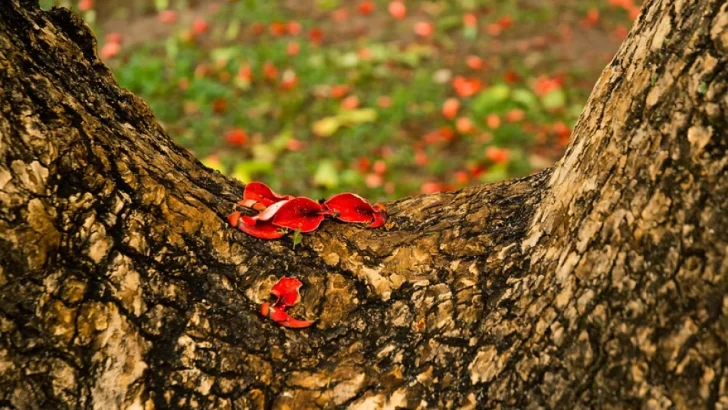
599 283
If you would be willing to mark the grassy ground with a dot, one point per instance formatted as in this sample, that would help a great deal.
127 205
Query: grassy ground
381 97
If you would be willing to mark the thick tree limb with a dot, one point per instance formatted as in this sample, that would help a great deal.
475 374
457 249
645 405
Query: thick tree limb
600 283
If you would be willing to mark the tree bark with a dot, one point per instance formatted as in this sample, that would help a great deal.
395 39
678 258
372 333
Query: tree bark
599 283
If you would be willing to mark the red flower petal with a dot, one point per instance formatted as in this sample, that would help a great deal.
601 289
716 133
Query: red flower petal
260 193
260 229
265 309
380 216
270 212
350 207
286 290
234 219
294 323
302 214
279 315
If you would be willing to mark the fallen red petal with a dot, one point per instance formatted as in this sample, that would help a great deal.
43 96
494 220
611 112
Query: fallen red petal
249 220
261 229
348 207
270 212
234 218
265 309
301 213
286 290
260 192
295 323
380 216
279 315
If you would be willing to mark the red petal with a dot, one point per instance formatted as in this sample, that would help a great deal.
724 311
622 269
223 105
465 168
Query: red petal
260 192
279 315
261 229
286 290
276 314
234 218
350 207
295 323
269 212
248 203
380 216
265 309
302 214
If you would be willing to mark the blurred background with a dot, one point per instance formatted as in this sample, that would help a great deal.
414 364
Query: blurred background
385 98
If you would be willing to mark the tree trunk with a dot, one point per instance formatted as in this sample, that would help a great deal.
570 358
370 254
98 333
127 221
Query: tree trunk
600 283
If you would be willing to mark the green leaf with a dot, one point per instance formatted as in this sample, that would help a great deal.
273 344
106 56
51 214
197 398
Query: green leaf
161 4
90 16
224 54
213 161
491 98
326 175
326 127
496 173
233 30
171 46
554 100
280 141
244 170
348 60
470 32
297 238
352 117
525 98
327 4
448 22
264 153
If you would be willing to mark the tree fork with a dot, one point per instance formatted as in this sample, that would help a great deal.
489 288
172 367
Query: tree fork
599 283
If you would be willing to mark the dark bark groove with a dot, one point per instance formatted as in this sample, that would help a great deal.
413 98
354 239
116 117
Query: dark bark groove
600 283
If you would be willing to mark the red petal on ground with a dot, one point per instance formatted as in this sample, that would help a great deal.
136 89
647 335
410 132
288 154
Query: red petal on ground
286 290
261 229
301 213
348 207
261 192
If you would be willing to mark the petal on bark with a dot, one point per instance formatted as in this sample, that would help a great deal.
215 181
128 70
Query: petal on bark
380 216
279 315
261 229
269 212
234 219
348 207
295 323
260 193
286 291
301 213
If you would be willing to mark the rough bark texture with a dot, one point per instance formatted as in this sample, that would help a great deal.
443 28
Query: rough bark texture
601 283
